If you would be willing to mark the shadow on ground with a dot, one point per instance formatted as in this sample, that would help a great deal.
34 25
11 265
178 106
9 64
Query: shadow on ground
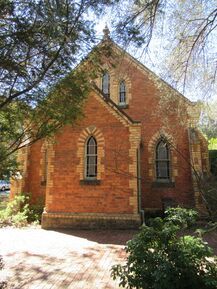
112 237
72 270
73 259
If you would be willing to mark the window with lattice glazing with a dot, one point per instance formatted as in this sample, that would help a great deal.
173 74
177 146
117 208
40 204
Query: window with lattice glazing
162 161
122 92
91 158
106 84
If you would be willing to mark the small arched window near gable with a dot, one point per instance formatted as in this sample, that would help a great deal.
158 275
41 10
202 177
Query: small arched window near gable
162 161
122 92
91 158
106 84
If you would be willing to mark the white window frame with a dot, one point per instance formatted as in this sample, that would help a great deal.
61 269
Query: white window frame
91 155
119 93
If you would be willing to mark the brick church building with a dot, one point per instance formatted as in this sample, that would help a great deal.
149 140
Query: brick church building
134 152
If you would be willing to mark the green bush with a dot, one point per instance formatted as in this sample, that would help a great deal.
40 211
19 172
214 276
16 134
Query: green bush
16 212
182 217
19 212
36 209
159 257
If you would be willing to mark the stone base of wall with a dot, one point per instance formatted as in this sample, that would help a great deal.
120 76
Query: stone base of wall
90 221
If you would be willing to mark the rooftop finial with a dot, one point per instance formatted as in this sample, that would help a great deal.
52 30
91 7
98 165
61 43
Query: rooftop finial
106 32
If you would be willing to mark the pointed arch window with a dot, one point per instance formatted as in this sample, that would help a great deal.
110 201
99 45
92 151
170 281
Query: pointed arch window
162 161
91 158
44 166
106 84
122 92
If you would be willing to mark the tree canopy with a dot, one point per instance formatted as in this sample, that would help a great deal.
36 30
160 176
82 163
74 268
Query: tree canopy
40 43
183 35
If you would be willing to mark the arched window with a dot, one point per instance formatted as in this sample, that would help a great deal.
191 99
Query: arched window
45 166
91 158
106 84
162 161
122 92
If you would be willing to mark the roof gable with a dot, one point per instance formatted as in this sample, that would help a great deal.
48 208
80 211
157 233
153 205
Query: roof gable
145 70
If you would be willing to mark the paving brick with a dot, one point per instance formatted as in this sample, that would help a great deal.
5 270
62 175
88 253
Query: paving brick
40 259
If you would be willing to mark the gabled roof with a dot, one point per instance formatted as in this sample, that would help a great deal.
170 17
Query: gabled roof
111 44
108 41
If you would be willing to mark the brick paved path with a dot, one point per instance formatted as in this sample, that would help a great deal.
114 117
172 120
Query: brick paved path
35 258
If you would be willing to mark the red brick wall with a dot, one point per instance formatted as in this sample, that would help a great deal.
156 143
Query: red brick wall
33 184
113 193
168 113
68 195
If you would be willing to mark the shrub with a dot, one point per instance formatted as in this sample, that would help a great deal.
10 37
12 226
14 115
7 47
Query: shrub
36 209
159 258
16 212
19 212
180 216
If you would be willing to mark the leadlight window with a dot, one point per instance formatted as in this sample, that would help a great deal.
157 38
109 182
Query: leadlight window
162 161
91 158
122 92
45 166
106 84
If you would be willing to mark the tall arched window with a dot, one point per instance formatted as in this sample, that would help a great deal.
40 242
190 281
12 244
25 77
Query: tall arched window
44 166
162 161
91 158
122 92
106 84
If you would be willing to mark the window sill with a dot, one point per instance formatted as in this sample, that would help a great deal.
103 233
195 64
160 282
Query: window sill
124 105
91 182
163 184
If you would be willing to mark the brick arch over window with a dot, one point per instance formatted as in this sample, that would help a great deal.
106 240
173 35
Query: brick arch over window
82 141
156 138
